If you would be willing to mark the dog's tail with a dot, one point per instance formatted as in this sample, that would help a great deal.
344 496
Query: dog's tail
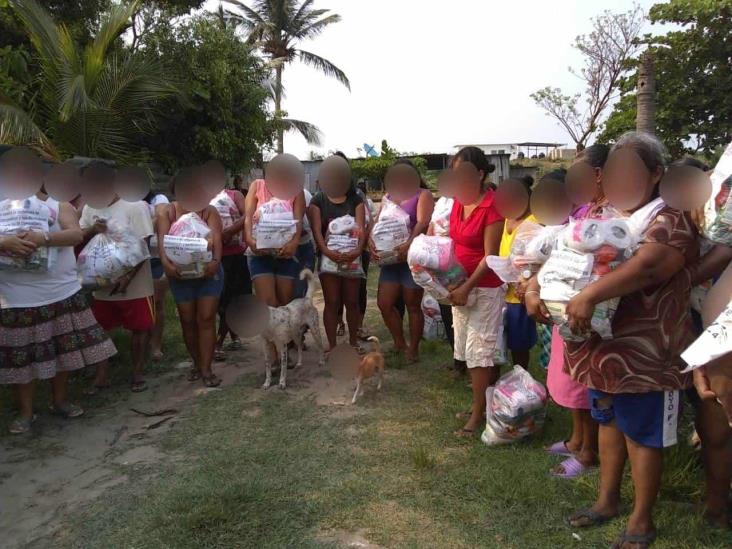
307 274
377 343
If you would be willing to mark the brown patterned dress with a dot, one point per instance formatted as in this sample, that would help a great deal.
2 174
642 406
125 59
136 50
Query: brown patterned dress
651 327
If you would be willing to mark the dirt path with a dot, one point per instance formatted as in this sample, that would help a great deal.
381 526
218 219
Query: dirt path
64 465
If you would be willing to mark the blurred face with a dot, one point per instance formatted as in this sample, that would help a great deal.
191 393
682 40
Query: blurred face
402 182
285 176
583 183
467 181
627 182
446 184
512 199
335 177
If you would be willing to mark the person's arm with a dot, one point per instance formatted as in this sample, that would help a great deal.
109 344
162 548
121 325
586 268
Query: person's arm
298 212
425 207
69 235
16 246
491 243
652 264
164 214
535 307
89 227
231 231
711 265
213 220
250 208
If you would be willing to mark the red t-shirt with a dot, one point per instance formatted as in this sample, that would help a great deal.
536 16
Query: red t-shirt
468 236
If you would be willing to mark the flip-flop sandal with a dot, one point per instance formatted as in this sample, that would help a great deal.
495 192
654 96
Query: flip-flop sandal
193 375
211 381
464 433
138 386
641 541
219 355
235 345
96 389
67 411
559 449
21 425
593 519
573 468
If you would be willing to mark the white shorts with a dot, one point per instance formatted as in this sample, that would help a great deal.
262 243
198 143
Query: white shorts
476 327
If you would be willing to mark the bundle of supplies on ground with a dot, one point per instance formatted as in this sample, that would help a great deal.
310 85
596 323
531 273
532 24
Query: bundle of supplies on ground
390 231
434 328
109 256
229 214
18 217
342 236
274 225
434 265
532 246
718 209
187 247
515 408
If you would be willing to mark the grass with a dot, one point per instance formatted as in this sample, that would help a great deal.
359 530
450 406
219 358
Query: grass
256 469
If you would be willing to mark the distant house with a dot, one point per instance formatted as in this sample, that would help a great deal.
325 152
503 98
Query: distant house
528 149
563 154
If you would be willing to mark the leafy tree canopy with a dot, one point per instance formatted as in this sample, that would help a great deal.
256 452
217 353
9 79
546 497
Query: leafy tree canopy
693 79
373 168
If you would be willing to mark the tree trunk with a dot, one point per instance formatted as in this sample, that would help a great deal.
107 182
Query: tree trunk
278 109
646 95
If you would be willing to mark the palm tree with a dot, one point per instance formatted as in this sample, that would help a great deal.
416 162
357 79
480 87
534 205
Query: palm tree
276 27
90 102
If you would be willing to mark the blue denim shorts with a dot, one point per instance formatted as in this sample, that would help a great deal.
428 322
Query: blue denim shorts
269 265
398 273
520 328
185 291
306 256
157 268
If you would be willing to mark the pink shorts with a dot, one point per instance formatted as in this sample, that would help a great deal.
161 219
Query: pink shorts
563 389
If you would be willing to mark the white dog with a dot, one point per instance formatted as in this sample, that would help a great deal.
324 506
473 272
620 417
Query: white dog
287 324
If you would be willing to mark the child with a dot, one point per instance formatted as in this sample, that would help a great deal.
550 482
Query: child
338 198
160 283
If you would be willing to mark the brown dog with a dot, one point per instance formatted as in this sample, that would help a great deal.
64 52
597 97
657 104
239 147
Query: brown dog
372 364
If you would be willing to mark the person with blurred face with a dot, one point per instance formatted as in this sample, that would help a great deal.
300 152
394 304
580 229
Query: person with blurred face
338 198
583 182
160 283
129 304
635 378
475 227
274 272
403 185
197 299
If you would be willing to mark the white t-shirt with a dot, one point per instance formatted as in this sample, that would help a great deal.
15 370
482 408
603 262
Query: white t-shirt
307 233
157 199
135 217
440 220
22 289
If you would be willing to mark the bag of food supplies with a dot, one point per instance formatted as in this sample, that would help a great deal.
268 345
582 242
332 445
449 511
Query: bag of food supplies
434 327
515 408
187 247
434 265
20 216
229 214
109 256
274 225
342 236
390 231
530 249
718 209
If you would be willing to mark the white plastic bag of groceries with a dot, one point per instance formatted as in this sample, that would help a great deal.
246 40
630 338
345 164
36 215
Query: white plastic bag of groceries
434 328
17 217
515 408
718 209
274 225
342 236
229 214
500 354
187 246
109 256
390 231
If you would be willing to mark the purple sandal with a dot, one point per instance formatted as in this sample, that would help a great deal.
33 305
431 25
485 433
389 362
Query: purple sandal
559 449
573 468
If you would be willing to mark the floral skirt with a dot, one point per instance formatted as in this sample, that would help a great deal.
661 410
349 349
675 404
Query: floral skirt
38 342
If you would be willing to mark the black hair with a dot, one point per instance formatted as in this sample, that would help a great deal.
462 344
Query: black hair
560 174
691 161
408 162
341 154
526 180
149 196
477 158
594 155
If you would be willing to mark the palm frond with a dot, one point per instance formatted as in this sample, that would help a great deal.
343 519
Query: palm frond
313 29
17 127
310 132
39 25
324 66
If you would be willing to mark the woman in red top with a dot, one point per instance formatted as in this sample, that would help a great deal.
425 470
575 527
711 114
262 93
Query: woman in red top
476 228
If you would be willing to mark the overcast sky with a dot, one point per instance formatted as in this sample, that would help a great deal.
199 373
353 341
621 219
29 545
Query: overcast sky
430 74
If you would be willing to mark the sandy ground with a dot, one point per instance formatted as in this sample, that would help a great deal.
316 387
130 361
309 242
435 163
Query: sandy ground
65 465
